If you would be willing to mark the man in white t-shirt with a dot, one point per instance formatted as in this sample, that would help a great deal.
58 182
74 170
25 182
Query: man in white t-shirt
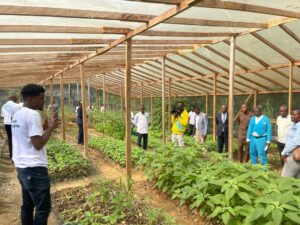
192 121
7 112
284 122
141 121
29 155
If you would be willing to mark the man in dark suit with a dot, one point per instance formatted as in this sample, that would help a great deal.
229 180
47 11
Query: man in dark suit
222 129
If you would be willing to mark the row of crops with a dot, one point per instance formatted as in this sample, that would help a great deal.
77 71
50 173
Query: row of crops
218 188
102 202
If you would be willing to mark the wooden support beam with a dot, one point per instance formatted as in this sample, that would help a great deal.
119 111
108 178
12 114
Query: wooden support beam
255 99
103 93
184 5
142 94
214 107
84 113
128 110
163 102
62 108
169 105
51 99
290 97
151 108
231 97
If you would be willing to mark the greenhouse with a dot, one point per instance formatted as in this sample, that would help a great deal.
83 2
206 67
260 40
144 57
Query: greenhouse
81 81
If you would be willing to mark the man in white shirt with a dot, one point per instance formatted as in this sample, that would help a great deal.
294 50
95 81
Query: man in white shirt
284 122
29 155
192 121
141 121
7 111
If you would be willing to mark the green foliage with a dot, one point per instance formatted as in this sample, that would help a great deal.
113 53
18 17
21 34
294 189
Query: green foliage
115 149
107 202
223 190
109 123
65 162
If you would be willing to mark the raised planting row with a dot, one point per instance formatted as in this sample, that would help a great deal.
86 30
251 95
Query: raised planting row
65 162
115 149
106 202
222 190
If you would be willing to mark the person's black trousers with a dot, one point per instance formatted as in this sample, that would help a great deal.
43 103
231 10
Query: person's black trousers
9 139
280 147
35 183
222 140
80 139
145 140
191 129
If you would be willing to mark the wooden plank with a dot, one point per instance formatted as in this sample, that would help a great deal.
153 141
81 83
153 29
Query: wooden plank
255 99
84 113
290 96
89 14
187 34
128 110
184 5
274 47
231 97
74 41
169 105
51 99
214 106
62 108
163 103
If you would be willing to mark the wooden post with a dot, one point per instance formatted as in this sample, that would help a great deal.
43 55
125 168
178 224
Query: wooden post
142 93
121 100
169 106
231 96
103 93
151 108
89 101
163 103
128 109
77 92
214 107
255 99
290 100
84 115
51 99
206 104
62 108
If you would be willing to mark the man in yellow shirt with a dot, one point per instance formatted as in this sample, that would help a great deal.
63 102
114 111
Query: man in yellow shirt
179 119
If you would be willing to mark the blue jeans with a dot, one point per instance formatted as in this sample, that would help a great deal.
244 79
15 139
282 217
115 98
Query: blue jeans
35 184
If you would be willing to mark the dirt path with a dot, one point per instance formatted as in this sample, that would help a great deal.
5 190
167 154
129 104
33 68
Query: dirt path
10 193
104 167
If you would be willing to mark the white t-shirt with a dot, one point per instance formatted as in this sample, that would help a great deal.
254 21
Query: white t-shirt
27 123
141 121
192 116
196 121
7 112
283 125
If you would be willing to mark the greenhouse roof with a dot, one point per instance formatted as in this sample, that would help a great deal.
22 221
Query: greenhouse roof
40 40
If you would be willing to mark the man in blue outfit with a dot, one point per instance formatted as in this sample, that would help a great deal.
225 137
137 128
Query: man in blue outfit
259 135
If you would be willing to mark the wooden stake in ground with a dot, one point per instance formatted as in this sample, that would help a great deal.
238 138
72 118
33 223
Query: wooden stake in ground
62 108
51 99
128 109
103 93
169 106
291 74
163 103
231 96
214 107
84 114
